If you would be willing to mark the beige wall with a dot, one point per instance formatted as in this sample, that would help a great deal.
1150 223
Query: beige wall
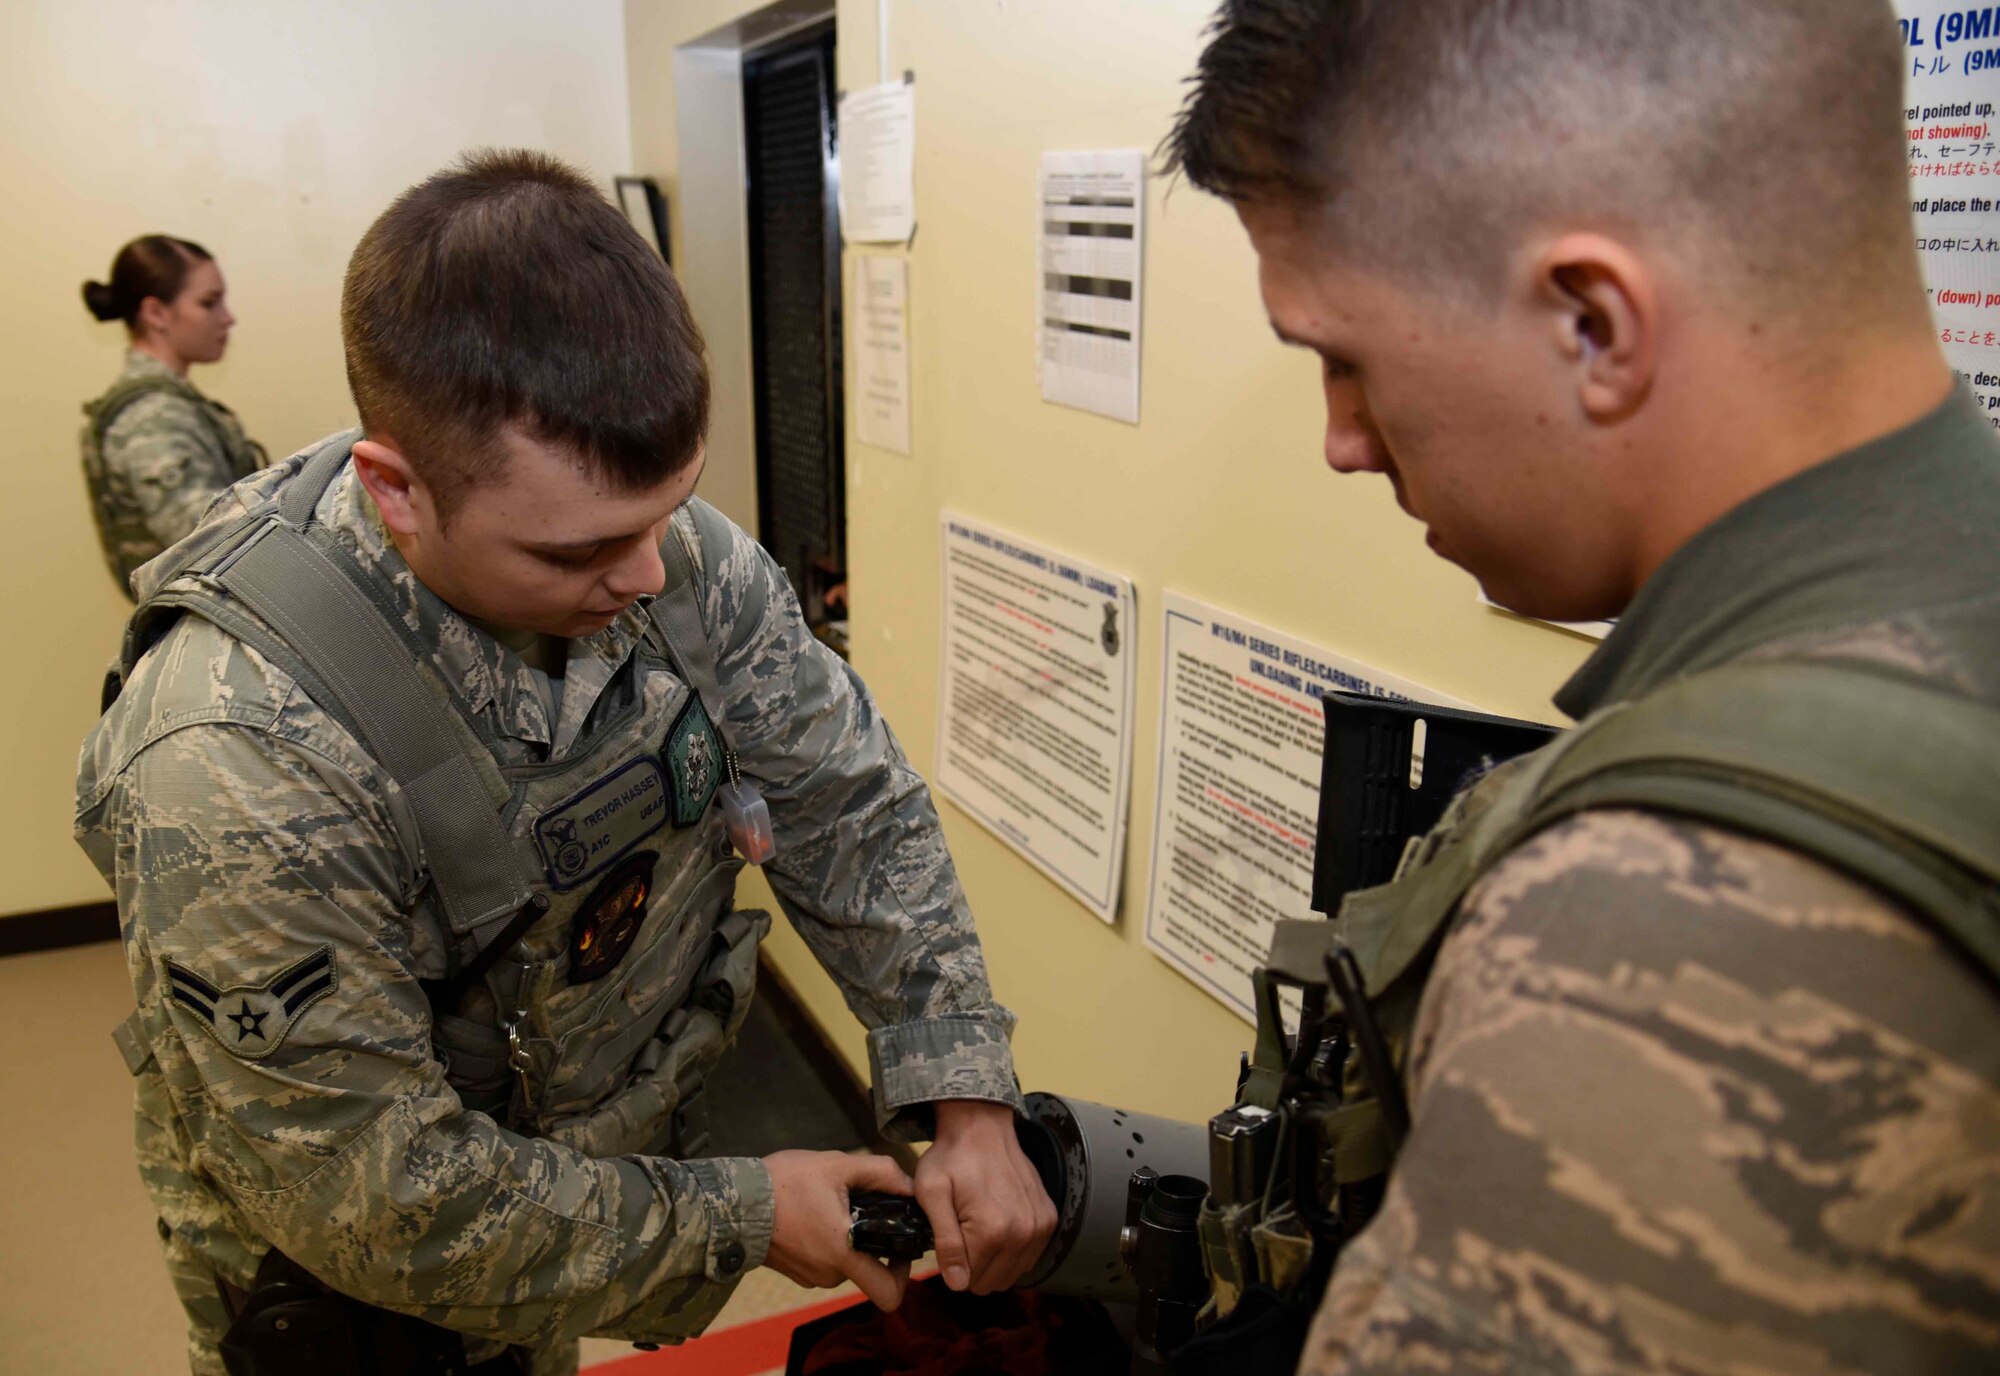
272 133
1220 492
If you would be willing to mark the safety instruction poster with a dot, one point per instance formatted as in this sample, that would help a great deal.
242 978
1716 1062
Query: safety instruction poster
881 351
878 164
1035 704
1241 737
1093 237
1951 54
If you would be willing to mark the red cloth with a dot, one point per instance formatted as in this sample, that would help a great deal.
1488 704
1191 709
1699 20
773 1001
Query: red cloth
937 1332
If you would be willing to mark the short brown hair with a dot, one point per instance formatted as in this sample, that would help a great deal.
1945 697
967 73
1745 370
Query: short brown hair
1433 130
508 290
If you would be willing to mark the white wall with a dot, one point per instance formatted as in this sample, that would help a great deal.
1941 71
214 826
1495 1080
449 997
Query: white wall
685 67
272 133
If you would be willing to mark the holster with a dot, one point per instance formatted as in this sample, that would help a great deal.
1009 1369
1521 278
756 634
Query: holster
290 1324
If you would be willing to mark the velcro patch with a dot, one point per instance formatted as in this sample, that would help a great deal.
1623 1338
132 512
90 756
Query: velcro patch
252 1020
584 836
694 754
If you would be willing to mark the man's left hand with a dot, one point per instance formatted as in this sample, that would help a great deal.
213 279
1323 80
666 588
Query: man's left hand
989 1214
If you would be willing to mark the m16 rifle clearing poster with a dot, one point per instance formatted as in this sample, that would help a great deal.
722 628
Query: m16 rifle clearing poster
1951 66
1035 704
1241 738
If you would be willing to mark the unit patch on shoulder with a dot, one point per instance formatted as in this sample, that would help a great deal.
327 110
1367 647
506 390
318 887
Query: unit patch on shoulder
251 1020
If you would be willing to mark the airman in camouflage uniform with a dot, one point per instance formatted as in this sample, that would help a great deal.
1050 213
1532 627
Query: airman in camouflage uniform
328 1074
1686 1101
245 830
156 453
1679 1099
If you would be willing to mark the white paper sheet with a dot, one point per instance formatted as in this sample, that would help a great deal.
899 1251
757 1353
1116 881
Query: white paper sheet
881 351
1035 704
1952 57
1241 741
1093 210
1595 630
878 142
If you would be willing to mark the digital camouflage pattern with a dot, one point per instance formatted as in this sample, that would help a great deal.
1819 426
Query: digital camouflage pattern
244 829
1685 1102
156 452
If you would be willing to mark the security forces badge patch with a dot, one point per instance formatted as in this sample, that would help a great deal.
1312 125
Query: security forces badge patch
252 1020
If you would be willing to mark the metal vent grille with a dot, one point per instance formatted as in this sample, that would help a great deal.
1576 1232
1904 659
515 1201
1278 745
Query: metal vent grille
795 313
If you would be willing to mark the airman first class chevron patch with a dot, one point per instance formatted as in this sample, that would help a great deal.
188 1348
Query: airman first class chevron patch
252 1020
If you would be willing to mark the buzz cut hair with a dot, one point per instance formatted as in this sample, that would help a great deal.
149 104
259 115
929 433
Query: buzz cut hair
508 290
1763 138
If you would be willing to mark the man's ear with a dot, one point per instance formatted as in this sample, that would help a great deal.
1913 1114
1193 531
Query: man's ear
1604 307
401 497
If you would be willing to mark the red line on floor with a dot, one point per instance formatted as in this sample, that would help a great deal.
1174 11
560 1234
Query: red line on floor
741 1350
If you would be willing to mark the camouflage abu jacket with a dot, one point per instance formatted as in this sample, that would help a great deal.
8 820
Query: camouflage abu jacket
264 865
156 452
1687 1102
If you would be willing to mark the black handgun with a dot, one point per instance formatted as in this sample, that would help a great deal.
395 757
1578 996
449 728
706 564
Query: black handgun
889 1226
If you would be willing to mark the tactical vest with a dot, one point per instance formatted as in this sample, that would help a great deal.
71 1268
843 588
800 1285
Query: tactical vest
597 967
1889 781
121 528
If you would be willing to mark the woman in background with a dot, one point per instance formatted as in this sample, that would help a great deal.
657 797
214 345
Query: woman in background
156 451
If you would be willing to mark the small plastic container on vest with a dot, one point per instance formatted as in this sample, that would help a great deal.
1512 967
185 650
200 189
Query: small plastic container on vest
748 818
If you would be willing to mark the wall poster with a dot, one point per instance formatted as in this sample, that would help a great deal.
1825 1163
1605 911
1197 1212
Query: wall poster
1035 704
1952 63
1241 737
1093 250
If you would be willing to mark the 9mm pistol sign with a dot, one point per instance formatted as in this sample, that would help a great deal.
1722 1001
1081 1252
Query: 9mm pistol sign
1951 63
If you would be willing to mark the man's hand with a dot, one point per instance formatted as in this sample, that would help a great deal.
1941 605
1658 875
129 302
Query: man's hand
988 1210
810 1219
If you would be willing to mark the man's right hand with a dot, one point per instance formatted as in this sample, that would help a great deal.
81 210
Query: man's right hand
810 1219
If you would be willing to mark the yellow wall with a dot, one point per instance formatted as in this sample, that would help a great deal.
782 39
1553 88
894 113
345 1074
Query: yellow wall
272 134
1220 492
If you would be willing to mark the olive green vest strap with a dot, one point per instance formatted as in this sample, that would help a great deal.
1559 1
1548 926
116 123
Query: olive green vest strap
1392 927
1265 1084
293 585
129 1037
1299 950
676 616
1356 1136
243 460
1882 778
269 579
210 546
1891 781
125 391
302 495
